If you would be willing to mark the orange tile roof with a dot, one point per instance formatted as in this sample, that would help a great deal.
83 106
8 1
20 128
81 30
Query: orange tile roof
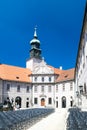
13 73
63 75
66 75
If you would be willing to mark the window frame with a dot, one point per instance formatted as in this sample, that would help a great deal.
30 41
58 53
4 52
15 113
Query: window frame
18 88
42 79
8 87
35 89
49 100
35 79
63 87
49 88
42 88
50 79
27 89
71 86
56 88
35 100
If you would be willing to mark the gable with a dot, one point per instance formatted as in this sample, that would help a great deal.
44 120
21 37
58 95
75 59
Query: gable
42 68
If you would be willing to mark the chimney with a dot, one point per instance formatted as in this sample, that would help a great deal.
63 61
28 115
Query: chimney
60 67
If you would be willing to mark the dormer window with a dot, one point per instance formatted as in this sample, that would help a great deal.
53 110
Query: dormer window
66 76
17 77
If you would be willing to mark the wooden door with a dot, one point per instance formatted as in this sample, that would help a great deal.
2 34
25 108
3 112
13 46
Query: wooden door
42 102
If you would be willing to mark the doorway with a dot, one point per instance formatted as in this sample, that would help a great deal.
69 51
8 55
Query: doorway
42 102
56 104
63 102
18 101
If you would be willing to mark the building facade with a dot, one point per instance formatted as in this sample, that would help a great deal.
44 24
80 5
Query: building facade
37 85
81 66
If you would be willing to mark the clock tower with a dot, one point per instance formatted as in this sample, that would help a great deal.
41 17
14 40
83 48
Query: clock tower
35 51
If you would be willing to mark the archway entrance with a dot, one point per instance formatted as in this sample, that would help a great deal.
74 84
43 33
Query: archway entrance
71 101
18 101
42 102
63 102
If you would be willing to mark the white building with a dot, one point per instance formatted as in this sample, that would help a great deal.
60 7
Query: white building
81 66
37 85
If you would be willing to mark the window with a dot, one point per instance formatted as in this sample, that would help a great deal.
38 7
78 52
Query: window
8 87
81 71
42 88
27 98
85 87
27 89
56 88
35 100
83 65
49 100
18 88
83 50
35 79
71 86
42 79
86 58
49 79
49 88
63 87
35 89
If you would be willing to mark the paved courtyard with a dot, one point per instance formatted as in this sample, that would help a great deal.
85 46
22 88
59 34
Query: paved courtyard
55 121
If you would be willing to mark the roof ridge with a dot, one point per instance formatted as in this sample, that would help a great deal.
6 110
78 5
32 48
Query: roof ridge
14 66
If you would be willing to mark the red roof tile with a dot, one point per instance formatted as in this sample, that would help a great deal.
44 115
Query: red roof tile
14 73
66 75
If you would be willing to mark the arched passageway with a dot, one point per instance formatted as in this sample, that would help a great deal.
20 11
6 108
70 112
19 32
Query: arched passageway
18 101
63 102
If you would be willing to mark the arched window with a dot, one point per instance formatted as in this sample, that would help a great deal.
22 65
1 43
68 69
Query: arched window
18 102
49 79
42 79
71 101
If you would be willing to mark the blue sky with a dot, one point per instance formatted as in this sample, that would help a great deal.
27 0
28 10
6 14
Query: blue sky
59 24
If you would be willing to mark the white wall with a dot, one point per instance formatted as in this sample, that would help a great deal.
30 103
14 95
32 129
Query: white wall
39 94
13 92
66 93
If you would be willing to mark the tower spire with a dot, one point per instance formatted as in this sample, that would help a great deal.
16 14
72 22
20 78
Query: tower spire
35 32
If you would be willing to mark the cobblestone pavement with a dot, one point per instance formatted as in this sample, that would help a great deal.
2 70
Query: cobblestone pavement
55 121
